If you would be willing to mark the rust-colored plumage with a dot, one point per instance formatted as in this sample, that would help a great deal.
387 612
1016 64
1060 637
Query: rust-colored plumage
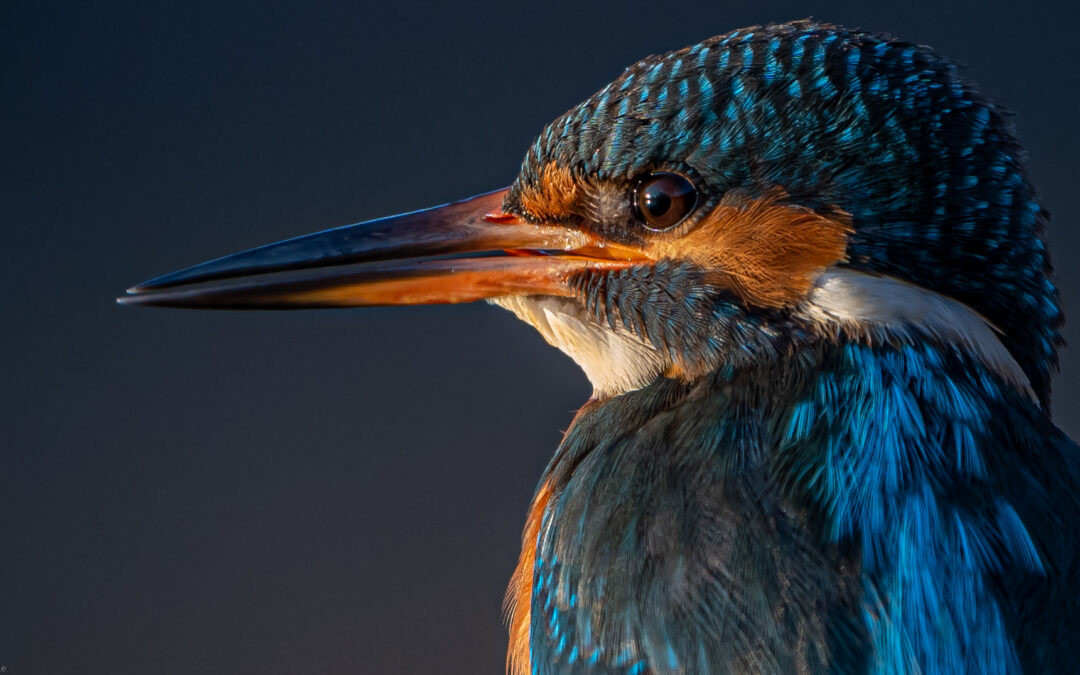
765 250
519 593
554 197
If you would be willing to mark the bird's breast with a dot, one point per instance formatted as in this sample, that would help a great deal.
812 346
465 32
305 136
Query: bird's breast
657 544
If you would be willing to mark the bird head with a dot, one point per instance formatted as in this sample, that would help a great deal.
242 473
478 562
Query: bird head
716 206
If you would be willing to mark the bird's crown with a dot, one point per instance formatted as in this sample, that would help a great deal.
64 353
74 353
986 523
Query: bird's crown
839 147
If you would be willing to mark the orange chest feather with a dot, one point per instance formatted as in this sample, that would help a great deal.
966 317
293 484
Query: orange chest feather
519 594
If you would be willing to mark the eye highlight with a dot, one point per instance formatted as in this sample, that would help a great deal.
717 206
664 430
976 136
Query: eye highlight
664 199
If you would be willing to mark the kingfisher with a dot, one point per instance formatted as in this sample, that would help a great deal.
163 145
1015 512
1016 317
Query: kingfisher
803 268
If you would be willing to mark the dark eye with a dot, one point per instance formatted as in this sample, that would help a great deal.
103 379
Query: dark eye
663 199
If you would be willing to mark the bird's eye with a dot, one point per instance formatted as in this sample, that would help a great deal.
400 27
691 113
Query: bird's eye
664 199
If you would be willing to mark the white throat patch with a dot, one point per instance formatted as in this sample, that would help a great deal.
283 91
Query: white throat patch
615 361
842 303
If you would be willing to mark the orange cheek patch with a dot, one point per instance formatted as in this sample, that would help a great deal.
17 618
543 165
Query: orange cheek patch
768 252
556 195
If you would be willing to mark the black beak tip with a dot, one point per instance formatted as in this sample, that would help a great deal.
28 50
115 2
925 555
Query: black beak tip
168 298
132 298
137 294
140 293
171 279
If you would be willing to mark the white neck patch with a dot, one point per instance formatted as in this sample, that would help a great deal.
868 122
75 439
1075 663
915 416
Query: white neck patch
881 309
842 303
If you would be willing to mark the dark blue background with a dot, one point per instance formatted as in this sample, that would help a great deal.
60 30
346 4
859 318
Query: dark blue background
186 492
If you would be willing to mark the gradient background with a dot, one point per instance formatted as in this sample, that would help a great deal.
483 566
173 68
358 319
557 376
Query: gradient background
185 492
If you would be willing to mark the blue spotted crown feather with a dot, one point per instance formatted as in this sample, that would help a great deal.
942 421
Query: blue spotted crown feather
887 131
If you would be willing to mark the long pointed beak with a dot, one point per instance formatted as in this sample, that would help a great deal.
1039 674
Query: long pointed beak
458 252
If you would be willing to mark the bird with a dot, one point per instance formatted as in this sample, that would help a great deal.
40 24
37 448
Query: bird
804 270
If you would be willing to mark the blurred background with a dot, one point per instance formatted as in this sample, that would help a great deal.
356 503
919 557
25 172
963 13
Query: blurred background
325 492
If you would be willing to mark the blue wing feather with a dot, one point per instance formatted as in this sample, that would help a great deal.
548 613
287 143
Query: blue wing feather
892 510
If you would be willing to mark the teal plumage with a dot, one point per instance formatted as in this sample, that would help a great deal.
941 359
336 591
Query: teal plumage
803 267
858 510
815 505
